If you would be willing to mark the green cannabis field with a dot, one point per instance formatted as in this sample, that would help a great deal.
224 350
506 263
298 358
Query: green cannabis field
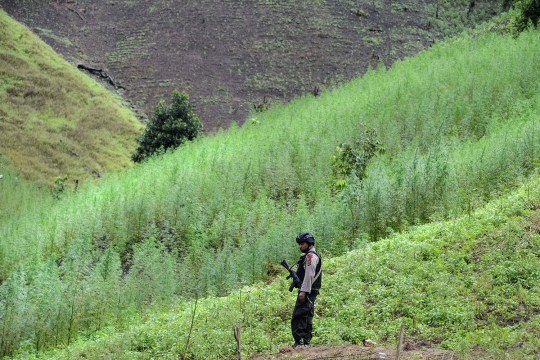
443 224
469 285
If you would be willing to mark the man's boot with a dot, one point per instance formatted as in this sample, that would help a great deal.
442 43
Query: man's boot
298 343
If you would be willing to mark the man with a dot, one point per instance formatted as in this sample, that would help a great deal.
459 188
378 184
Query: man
309 273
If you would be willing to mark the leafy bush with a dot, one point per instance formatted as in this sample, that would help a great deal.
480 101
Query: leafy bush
169 127
349 167
353 159
526 11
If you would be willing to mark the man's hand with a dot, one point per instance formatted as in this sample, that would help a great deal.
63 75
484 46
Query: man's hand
302 296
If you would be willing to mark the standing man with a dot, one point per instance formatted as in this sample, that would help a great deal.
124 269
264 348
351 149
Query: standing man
309 273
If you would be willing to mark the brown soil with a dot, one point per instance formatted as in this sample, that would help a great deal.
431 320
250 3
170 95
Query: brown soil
232 55
347 352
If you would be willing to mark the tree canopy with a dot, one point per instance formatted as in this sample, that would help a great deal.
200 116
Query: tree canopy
169 127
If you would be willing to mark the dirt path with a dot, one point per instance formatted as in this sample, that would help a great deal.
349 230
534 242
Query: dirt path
346 352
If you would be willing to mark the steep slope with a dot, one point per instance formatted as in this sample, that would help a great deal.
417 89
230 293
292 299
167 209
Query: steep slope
55 120
230 55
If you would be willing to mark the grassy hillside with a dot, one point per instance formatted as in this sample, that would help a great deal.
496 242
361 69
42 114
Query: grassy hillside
54 120
469 285
459 124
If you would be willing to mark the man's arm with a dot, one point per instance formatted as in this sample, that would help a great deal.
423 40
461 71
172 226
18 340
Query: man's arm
311 263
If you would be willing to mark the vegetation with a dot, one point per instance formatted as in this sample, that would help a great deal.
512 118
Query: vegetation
169 127
59 186
92 271
18 196
54 120
469 285
352 160
527 13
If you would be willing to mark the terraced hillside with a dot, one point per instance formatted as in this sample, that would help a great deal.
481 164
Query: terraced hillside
233 55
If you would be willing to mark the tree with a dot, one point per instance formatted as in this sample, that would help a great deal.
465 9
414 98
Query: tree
169 127
349 167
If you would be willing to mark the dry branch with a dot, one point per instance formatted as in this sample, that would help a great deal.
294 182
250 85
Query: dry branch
400 342
237 329
76 12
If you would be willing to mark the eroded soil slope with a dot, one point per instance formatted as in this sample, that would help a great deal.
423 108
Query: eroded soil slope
233 54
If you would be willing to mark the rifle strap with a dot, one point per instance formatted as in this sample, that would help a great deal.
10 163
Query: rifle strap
318 274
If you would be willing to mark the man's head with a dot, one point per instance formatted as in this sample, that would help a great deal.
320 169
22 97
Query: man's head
305 240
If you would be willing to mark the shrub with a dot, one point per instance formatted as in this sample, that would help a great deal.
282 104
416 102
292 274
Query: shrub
527 11
169 127
352 159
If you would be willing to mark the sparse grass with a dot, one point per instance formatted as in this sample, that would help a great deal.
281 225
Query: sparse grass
54 120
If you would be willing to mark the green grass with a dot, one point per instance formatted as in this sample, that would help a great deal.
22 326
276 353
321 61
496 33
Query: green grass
460 125
50 111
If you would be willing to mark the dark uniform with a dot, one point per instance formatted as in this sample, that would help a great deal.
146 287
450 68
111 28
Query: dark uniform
310 274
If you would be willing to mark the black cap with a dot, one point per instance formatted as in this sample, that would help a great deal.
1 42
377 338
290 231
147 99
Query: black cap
305 237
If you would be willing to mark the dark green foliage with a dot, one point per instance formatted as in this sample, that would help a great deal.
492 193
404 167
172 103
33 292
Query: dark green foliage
169 127
59 186
527 11
349 167
263 106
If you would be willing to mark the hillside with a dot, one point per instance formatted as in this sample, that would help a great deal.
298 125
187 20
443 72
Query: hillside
230 55
459 127
55 120
468 285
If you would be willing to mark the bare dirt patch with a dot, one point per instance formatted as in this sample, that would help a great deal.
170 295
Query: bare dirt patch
346 352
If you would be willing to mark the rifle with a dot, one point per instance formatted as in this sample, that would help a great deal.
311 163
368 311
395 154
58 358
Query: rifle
296 283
